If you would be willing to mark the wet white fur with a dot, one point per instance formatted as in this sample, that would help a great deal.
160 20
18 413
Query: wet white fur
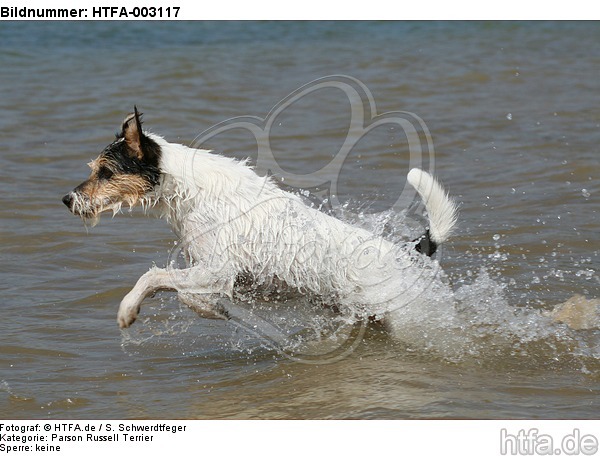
231 221
441 210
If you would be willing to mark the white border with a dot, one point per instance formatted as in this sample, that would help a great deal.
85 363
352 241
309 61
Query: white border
347 438
344 10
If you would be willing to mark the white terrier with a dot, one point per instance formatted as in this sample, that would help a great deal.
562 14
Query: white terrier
235 224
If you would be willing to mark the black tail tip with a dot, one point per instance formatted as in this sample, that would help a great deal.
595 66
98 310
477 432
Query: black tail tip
426 245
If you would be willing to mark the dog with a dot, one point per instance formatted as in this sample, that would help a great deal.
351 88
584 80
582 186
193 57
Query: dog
235 226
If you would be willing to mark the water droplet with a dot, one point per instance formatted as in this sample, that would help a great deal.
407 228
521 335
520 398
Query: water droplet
509 116
496 237
585 193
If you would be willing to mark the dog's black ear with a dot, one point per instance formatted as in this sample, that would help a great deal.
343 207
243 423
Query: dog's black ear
132 132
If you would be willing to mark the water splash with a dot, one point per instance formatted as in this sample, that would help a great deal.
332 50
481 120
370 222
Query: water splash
480 315
474 316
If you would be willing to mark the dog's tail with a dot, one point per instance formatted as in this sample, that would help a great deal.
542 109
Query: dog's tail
441 210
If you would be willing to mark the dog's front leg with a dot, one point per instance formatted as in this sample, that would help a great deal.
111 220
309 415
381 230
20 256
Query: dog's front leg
190 280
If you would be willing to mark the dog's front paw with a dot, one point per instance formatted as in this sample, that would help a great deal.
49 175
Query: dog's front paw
128 312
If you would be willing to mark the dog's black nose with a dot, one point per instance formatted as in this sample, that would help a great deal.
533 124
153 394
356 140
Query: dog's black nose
67 199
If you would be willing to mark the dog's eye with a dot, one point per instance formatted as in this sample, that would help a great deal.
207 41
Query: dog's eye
105 173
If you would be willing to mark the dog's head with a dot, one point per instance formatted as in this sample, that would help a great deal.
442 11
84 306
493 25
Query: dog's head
125 171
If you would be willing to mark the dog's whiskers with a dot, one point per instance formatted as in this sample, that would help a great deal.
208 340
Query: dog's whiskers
116 208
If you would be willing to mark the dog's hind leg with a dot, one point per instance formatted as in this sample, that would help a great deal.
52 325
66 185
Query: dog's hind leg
187 281
204 305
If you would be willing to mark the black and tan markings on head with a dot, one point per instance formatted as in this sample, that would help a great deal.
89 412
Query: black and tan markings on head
125 171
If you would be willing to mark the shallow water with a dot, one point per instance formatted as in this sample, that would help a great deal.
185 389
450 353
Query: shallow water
513 116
